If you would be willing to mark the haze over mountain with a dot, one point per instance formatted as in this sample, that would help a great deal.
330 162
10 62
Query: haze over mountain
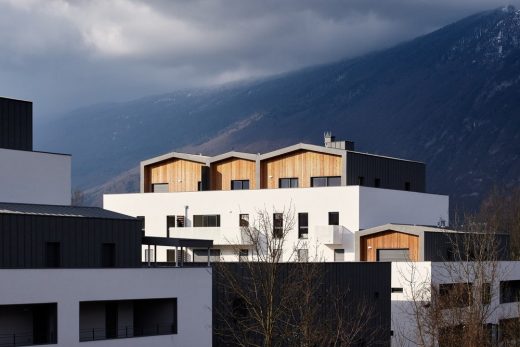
450 98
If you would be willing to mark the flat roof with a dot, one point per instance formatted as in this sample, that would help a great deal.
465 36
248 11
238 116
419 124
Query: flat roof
60 211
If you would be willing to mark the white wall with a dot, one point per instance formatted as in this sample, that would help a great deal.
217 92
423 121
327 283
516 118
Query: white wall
358 207
35 178
191 286
416 278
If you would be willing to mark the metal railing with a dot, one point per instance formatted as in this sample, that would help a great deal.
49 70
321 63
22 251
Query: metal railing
25 339
94 334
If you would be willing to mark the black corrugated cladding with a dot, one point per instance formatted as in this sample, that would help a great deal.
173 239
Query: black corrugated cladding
24 238
16 124
392 173
439 246
359 282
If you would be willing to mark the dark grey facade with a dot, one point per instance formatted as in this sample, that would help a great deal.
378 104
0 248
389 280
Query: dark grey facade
16 124
368 283
71 240
440 246
384 172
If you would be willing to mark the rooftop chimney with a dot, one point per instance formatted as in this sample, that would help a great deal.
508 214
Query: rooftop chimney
330 142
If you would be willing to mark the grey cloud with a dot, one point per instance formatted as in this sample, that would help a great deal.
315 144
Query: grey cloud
66 54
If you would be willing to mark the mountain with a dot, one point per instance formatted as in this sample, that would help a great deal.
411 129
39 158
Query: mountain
450 98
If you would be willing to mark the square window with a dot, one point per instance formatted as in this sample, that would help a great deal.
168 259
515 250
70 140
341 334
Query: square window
333 218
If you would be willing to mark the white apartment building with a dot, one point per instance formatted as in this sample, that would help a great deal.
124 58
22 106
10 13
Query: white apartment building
331 191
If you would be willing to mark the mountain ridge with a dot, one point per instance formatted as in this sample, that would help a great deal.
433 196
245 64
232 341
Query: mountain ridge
449 98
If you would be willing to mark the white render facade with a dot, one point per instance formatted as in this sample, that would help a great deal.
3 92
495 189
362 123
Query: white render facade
35 177
409 279
191 287
358 208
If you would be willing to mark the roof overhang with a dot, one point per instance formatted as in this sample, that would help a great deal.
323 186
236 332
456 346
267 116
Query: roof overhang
176 155
233 154
305 147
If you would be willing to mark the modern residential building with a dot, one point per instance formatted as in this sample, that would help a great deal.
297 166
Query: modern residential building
428 261
331 192
71 275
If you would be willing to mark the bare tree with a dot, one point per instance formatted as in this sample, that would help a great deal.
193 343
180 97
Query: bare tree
78 197
454 309
279 299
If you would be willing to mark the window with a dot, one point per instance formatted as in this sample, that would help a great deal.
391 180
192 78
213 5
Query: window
212 220
170 255
455 294
108 255
509 291
361 181
148 255
397 290
407 186
243 255
339 255
243 220
53 254
303 225
394 254
288 183
377 182
160 187
303 255
201 255
333 218
180 221
199 186
278 225
326 181
170 223
239 184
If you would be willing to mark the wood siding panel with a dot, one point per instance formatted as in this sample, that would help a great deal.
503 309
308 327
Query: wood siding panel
181 175
388 240
301 164
224 171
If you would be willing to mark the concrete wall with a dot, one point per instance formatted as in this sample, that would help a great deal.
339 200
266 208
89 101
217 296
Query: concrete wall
358 207
35 178
67 287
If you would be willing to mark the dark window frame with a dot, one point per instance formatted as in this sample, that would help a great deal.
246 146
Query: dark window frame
241 184
206 220
293 182
278 225
170 223
334 218
303 225
327 179
163 184
243 222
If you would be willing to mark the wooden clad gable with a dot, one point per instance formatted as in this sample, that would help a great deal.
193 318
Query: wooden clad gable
388 239
302 164
224 171
180 174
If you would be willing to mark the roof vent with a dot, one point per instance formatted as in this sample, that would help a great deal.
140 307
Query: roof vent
330 142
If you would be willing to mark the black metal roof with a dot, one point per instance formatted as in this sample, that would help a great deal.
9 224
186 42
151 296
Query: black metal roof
60 210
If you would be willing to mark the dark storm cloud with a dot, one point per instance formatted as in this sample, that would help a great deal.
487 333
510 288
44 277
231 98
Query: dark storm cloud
64 54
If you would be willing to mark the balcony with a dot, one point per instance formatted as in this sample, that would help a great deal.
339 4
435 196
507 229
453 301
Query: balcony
219 236
329 234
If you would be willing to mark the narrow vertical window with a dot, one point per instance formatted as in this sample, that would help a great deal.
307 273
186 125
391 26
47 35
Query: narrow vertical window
170 223
361 181
407 186
278 225
377 182
303 225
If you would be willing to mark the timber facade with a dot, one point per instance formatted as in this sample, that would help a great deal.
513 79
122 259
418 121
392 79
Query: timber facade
298 166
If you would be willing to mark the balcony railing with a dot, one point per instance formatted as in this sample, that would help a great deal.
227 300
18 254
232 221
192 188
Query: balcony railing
128 331
219 235
329 234
25 339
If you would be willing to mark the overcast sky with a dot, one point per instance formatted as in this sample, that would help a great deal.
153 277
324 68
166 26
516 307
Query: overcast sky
66 54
